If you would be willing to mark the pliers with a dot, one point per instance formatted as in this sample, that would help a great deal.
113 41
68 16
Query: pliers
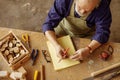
34 55
26 39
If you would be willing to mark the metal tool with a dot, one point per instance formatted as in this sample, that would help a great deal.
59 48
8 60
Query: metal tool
107 53
25 38
34 55
46 56
114 74
93 74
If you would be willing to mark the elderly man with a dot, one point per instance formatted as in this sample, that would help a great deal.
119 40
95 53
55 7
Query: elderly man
80 18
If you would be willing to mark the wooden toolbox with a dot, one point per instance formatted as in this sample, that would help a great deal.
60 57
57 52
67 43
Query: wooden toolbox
13 51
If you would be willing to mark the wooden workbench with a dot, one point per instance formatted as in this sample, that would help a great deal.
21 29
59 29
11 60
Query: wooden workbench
78 72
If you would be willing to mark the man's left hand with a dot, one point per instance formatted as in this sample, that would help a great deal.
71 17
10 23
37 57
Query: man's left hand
80 54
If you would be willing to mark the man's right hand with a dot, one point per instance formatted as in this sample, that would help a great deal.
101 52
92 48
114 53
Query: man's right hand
59 51
52 38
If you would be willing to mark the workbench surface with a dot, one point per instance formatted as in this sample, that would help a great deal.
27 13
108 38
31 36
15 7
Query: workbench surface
77 72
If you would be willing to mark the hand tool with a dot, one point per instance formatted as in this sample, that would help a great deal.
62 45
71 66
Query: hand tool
25 38
93 74
64 55
46 56
114 74
35 74
106 54
34 55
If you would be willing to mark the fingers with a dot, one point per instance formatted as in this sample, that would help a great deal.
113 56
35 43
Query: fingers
76 57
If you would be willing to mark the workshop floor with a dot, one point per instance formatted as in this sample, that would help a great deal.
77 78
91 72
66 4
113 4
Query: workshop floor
30 15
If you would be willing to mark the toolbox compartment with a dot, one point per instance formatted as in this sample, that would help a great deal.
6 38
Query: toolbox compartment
12 50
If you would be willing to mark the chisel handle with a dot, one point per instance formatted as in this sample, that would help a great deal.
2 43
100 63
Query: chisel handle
104 69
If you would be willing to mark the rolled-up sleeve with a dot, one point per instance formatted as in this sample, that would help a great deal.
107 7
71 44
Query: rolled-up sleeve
103 23
56 14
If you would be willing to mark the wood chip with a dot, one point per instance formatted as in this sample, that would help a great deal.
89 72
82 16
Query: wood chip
11 60
10 56
16 49
18 44
5 45
10 44
14 41
6 52
22 51
11 50
2 49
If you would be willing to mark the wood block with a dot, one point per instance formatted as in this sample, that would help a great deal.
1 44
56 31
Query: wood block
16 75
22 70
4 74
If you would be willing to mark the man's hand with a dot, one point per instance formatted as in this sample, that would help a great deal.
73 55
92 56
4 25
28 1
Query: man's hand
84 52
59 51
80 54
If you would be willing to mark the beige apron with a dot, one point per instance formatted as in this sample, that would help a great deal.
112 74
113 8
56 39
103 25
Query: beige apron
74 26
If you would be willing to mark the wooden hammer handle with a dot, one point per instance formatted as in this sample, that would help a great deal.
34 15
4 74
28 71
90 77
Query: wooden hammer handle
104 69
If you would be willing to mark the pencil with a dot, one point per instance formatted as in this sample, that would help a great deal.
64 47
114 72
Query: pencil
64 54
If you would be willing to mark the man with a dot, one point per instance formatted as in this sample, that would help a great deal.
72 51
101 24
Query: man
79 18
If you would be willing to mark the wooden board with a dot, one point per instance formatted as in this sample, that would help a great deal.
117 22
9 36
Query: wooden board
65 42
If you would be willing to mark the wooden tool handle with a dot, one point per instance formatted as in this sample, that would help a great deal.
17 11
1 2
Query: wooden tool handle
104 69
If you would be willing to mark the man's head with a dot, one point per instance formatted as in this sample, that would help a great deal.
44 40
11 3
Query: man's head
84 7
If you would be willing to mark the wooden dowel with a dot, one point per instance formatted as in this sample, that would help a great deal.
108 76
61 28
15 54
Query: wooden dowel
42 72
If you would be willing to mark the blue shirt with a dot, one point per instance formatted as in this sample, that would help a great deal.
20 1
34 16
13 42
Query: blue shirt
100 17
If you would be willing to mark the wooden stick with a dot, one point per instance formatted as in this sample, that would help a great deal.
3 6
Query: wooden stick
42 72
105 69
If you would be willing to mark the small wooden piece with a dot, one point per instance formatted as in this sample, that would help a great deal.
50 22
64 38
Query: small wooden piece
16 50
10 44
21 69
6 53
4 74
16 75
42 72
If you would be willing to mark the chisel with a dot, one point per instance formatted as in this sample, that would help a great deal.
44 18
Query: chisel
101 71
114 74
